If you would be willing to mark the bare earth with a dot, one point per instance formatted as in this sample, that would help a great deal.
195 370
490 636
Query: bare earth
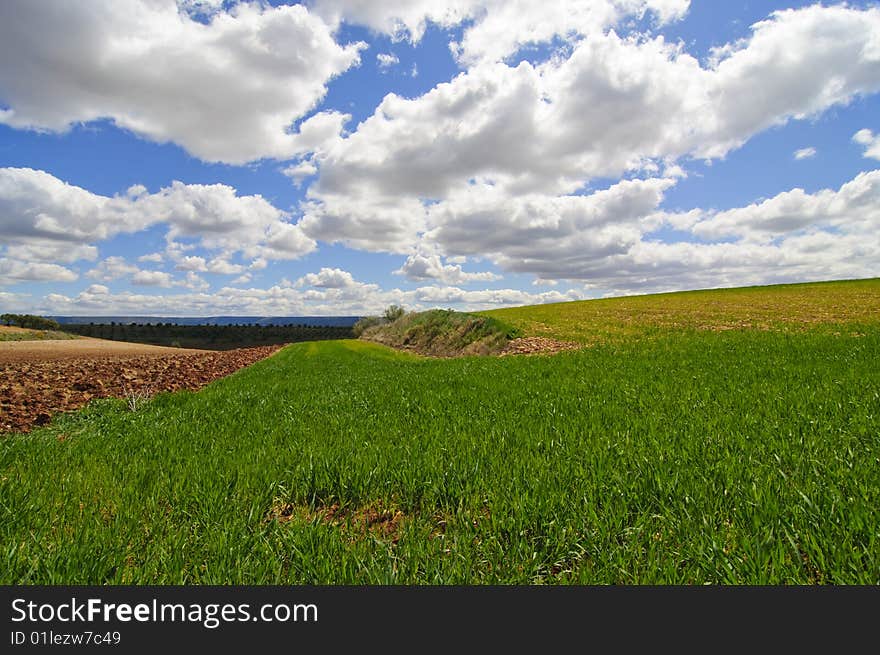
63 349
41 378
538 346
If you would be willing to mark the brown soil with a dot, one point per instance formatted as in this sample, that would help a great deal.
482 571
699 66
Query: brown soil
379 520
538 346
13 352
40 379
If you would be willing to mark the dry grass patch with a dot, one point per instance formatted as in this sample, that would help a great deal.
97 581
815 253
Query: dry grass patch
377 519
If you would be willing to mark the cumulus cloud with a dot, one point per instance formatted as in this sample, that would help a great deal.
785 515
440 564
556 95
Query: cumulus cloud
614 105
497 161
191 263
496 29
14 271
870 141
227 89
538 233
328 278
152 279
852 209
194 281
43 218
366 220
223 267
153 258
112 268
424 266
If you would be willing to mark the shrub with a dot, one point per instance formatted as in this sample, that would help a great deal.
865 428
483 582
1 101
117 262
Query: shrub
394 312
30 321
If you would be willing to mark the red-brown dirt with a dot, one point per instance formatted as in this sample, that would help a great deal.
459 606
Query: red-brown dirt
537 346
48 377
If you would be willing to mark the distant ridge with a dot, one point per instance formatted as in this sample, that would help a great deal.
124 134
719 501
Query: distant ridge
324 321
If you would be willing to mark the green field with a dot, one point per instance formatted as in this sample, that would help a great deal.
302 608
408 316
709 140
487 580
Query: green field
698 455
789 307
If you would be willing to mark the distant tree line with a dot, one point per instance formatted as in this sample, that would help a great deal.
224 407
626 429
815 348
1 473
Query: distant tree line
211 337
29 321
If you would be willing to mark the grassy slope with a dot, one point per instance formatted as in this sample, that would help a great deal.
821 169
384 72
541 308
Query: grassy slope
442 332
21 334
737 456
782 307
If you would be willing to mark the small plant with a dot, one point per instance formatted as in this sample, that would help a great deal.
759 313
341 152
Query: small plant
136 398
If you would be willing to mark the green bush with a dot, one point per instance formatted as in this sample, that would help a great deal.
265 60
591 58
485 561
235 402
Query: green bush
394 312
29 321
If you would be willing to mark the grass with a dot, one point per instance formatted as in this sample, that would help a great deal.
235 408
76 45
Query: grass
792 307
21 334
444 333
695 456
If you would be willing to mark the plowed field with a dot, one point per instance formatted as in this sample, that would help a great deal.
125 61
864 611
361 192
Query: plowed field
41 378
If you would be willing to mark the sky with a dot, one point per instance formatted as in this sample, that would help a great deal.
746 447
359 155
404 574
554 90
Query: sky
208 157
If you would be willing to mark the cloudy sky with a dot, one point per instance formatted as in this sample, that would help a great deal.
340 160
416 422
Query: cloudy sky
206 157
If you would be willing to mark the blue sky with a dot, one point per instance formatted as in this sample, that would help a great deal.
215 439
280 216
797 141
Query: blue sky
204 157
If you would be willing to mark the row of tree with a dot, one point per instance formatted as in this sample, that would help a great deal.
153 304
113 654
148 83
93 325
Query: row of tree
212 337
29 321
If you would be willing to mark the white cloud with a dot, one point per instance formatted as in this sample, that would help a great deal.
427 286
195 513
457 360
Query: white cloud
355 298
871 142
550 236
223 267
112 268
194 282
97 289
191 263
605 239
242 279
496 28
805 153
364 220
153 258
227 90
424 266
43 218
386 60
437 168
489 298
300 171
853 209
613 106
328 278
508 25
13 271
152 279
46 250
